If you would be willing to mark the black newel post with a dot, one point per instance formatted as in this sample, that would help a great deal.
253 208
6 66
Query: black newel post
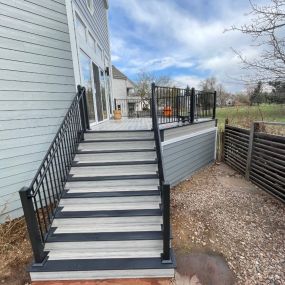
192 106
85 108
32 226
214 106
81 109
166 223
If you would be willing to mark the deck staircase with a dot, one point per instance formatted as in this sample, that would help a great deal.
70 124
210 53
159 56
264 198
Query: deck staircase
108 223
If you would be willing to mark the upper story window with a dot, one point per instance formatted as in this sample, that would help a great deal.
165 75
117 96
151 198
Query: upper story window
91 42
80 29
90 5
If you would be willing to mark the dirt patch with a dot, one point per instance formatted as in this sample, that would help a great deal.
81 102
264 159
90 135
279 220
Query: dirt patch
203 268
15 253
217 210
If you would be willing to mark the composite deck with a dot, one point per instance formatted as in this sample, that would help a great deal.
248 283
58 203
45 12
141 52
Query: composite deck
109 221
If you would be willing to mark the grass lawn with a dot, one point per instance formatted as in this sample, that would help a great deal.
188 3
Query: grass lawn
243 116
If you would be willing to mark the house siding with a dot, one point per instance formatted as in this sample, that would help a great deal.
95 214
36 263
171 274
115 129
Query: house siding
182 157
36 88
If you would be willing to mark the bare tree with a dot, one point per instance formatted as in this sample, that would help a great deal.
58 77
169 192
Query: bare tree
268 33
210 85
144 80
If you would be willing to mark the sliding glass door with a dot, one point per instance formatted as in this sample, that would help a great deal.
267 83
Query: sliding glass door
86 75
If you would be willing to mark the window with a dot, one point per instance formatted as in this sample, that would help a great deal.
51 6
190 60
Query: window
91 42
90 6
80 28
85 65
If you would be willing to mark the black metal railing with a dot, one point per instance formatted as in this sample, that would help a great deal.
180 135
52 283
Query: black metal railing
134 108
184 105
164 188
41 199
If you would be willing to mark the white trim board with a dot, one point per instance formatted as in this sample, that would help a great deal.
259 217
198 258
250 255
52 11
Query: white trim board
191 135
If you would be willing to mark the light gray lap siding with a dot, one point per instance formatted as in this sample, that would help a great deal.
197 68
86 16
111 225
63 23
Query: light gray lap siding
36 88
183 157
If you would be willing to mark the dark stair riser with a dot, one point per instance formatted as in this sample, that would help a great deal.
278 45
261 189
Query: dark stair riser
80 164
102 264
117 140
111 194
115 151
110 236
117 177
114 213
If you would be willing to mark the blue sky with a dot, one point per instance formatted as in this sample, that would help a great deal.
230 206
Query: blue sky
183 39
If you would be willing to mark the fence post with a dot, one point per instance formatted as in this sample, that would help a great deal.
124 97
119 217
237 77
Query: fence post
222 139
254 128
32 226
192 105
166 223
214 107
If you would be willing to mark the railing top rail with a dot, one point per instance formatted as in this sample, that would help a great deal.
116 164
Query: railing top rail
77 97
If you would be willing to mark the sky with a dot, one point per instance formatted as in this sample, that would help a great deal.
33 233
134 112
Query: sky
183 39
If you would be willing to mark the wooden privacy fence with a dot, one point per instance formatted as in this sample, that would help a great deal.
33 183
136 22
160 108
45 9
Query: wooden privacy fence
259 156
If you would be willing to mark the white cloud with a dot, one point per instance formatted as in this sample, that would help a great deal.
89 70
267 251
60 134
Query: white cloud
165 35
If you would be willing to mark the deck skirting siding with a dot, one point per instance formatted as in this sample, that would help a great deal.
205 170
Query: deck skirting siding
182 156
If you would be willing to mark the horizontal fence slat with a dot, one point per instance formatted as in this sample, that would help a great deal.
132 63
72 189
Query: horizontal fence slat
270 190
241 136
246 136
234 145
244 131
267 171
258 150
277 163
270 137
269 142
237 137
274 149
235 164
266 165
268 179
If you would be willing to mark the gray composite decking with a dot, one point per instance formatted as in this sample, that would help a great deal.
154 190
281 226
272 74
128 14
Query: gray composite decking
109 222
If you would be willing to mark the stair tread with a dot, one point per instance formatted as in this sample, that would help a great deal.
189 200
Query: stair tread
101 264
91 171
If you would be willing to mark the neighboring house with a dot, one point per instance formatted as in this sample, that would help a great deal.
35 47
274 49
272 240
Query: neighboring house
123 87
47 47
125 97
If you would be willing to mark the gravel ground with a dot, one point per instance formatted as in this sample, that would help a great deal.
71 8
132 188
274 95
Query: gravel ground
218 211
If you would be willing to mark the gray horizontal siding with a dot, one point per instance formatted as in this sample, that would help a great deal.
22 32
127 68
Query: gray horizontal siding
98 22
36 89
182 158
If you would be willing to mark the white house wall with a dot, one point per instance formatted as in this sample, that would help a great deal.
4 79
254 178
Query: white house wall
119 88
36 88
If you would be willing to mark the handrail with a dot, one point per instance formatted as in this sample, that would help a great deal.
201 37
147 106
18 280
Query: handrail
164 188
41 199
